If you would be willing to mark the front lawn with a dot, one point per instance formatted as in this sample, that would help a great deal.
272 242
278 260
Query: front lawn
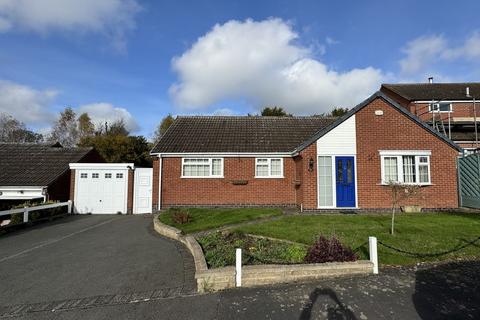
206 218
418 233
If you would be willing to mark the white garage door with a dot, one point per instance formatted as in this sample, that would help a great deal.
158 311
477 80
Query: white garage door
101 191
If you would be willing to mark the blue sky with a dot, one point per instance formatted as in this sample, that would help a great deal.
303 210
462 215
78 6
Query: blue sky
141 60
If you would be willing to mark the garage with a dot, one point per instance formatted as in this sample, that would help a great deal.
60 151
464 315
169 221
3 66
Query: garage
102 187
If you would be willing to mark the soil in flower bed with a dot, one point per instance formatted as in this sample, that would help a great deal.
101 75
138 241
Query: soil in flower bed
219 249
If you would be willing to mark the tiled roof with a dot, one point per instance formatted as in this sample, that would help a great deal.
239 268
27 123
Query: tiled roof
28 164
434 91
247 134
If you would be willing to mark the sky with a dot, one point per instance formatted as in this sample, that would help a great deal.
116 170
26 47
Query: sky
140 60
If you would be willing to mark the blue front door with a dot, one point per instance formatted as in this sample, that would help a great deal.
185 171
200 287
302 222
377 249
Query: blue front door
345 177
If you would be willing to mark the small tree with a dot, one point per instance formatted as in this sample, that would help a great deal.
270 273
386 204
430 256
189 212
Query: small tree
338 112
400 192
162 127
275 112
86 127
65 129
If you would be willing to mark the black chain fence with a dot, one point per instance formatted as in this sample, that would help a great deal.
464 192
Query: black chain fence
434 254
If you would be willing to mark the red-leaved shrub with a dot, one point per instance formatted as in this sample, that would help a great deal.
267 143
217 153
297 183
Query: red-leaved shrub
329 250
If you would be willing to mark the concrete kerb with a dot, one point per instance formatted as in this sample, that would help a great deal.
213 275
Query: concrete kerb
188 241
223 278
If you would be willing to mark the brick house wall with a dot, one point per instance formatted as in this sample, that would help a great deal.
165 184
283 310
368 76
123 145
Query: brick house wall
308 187
131 176
177 191
395 131
459 110
72 185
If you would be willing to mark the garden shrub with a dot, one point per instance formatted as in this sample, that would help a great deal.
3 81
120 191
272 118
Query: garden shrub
329 250
17 218
219 249
180 216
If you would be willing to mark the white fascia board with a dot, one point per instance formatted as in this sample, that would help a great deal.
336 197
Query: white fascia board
21 187
405 152
98 166
443 101
224 155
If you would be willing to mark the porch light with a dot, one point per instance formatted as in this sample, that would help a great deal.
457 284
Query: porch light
310 164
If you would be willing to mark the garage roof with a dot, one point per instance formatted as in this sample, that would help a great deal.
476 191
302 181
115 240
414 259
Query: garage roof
30 164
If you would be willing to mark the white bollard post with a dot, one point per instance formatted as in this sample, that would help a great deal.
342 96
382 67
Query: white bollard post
238 267
372 249
25 214
69 206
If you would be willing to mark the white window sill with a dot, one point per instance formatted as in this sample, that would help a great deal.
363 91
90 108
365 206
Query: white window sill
205 177
269 177
407 184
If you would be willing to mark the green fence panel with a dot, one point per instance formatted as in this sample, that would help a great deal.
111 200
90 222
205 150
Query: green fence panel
469 181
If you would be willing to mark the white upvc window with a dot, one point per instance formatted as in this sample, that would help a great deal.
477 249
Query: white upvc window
202 167
440 107
408 167
269 168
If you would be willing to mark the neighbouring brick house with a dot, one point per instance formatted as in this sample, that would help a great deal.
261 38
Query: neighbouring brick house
445 106
309 162
38 171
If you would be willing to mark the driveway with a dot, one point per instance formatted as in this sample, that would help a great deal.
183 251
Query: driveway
80 257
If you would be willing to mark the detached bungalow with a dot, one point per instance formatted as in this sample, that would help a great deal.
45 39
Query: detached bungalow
309 162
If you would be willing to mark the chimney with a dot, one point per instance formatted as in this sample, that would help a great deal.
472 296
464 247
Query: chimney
430 80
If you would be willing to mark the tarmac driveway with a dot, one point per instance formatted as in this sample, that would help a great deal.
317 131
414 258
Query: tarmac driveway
89 256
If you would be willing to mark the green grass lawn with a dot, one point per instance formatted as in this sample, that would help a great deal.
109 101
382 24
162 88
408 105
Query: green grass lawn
420 233
205 218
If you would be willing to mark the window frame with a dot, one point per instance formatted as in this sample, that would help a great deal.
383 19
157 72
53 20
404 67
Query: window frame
436 107
269 165
210 164
400 165
83 175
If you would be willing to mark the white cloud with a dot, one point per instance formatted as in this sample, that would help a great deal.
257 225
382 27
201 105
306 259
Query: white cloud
105 112
426 51
25 103
262 62
113 18
224 112
420 52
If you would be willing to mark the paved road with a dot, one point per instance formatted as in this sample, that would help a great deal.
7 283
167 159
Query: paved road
85 256
447 291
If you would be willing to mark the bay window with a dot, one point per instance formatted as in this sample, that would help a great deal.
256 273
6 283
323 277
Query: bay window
269 168
408 167
202 168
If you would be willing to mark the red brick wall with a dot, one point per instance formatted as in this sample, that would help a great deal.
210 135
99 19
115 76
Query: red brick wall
308 188
213 191
460 109
156 176
72 185
130 191
394 131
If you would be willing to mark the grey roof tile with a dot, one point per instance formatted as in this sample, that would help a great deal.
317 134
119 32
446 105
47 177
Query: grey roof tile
434 91
28 164
238 134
